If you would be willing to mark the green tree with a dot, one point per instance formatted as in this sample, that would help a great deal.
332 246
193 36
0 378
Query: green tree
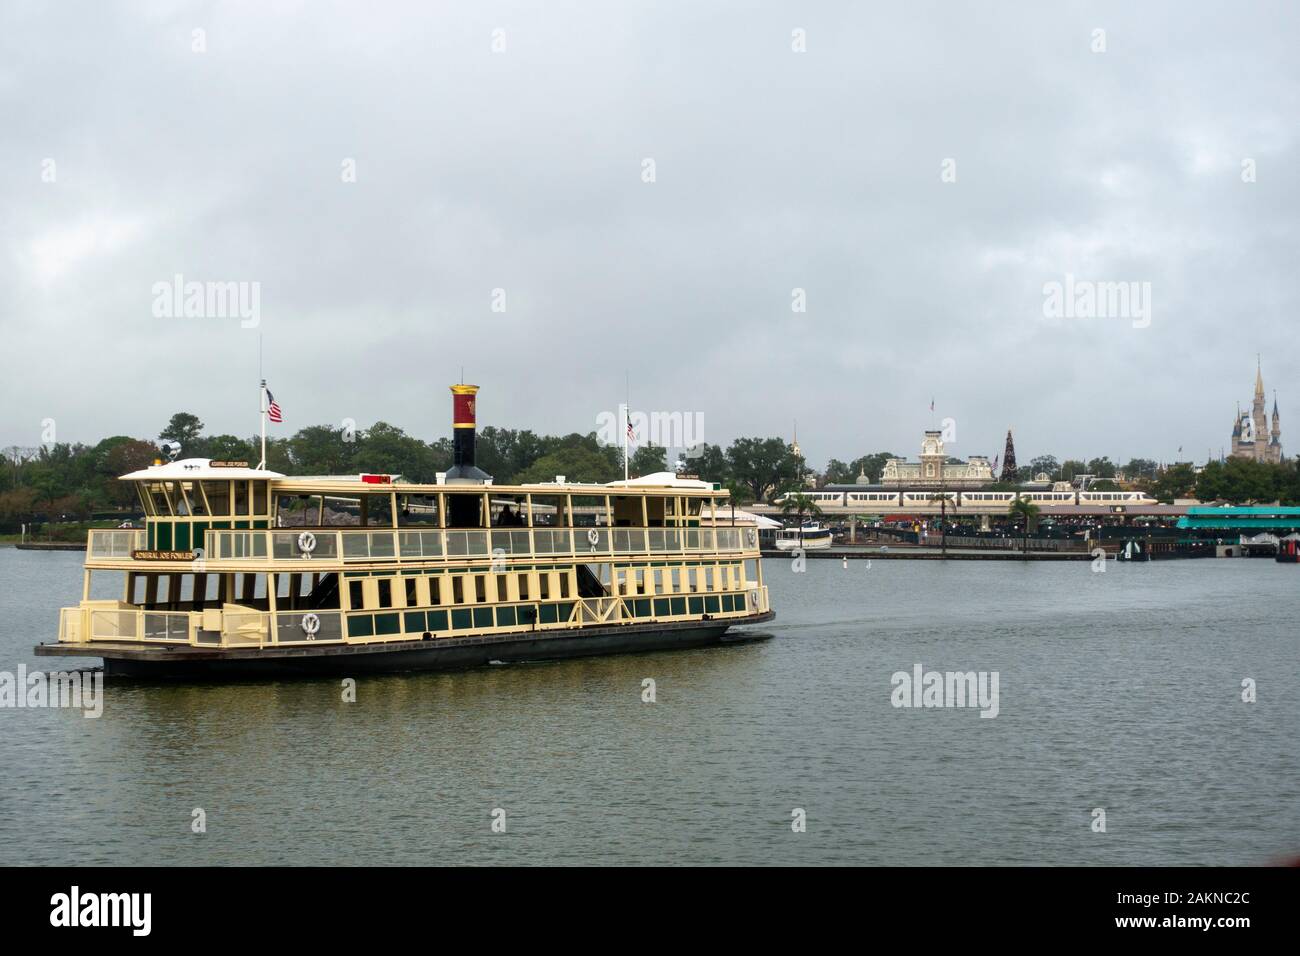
1045 465
323 450
762 465
186 429
1071 467
1101 467
647 460
837 473
709 462
1138 468
1241 480
575 463
1176 481
230 448
120 456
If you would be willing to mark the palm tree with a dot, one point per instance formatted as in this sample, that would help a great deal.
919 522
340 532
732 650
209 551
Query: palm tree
801 505
940 498
1023 509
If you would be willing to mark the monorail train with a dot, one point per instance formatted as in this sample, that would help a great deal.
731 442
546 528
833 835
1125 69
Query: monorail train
867 500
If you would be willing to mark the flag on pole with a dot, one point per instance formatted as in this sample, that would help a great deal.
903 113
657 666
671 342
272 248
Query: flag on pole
995 463
272 409
631 435
932 404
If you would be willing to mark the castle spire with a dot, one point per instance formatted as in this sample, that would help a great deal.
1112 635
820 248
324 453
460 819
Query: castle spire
1259 378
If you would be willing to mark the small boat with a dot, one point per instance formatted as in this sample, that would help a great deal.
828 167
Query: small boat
810 536
1288 550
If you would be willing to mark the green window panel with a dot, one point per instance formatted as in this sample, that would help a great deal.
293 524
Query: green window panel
507 617
415 622
361 625
482 617
437 620
460 620
678 605
386 624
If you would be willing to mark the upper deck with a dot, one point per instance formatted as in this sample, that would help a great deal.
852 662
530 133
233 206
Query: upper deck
228 514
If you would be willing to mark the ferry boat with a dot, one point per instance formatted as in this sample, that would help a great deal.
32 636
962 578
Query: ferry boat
240 571
810 536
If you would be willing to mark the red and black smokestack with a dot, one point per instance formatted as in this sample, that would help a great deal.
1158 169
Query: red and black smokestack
463 469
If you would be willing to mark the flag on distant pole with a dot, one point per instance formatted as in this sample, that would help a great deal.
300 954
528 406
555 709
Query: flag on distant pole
273 409
932 404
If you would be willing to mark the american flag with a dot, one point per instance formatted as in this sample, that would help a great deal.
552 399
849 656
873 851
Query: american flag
995 463
630 433
272 409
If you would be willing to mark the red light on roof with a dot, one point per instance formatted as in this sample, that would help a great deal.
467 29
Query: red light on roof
377 479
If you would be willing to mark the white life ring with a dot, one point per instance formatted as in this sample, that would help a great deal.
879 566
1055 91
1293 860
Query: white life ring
307 543
310 625
753 537
753 599
593 538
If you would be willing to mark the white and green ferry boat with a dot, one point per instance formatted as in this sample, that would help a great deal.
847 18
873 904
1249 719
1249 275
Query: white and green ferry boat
242 571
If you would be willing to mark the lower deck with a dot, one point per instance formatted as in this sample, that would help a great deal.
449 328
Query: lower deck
206 605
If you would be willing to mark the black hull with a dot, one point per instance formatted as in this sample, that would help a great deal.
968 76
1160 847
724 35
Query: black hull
190 663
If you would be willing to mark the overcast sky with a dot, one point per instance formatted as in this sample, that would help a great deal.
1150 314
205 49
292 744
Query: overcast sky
523 169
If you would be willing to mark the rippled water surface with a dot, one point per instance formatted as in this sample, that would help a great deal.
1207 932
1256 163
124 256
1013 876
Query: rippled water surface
1119 690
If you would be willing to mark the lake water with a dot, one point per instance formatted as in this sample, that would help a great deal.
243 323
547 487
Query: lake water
1119 690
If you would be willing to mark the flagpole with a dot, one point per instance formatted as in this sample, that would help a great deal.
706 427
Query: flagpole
626 425
261 401
262 464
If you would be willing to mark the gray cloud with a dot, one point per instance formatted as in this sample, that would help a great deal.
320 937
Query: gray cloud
775 170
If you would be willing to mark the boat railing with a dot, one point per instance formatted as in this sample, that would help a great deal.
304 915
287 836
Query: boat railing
133 624
115 542
368 545
238 627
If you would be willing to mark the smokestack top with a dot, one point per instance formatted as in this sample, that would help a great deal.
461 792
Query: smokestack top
462 405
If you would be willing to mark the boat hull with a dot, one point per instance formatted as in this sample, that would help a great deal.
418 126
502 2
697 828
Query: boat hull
809 544
192 663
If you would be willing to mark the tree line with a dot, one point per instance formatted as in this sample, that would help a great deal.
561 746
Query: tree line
73 481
